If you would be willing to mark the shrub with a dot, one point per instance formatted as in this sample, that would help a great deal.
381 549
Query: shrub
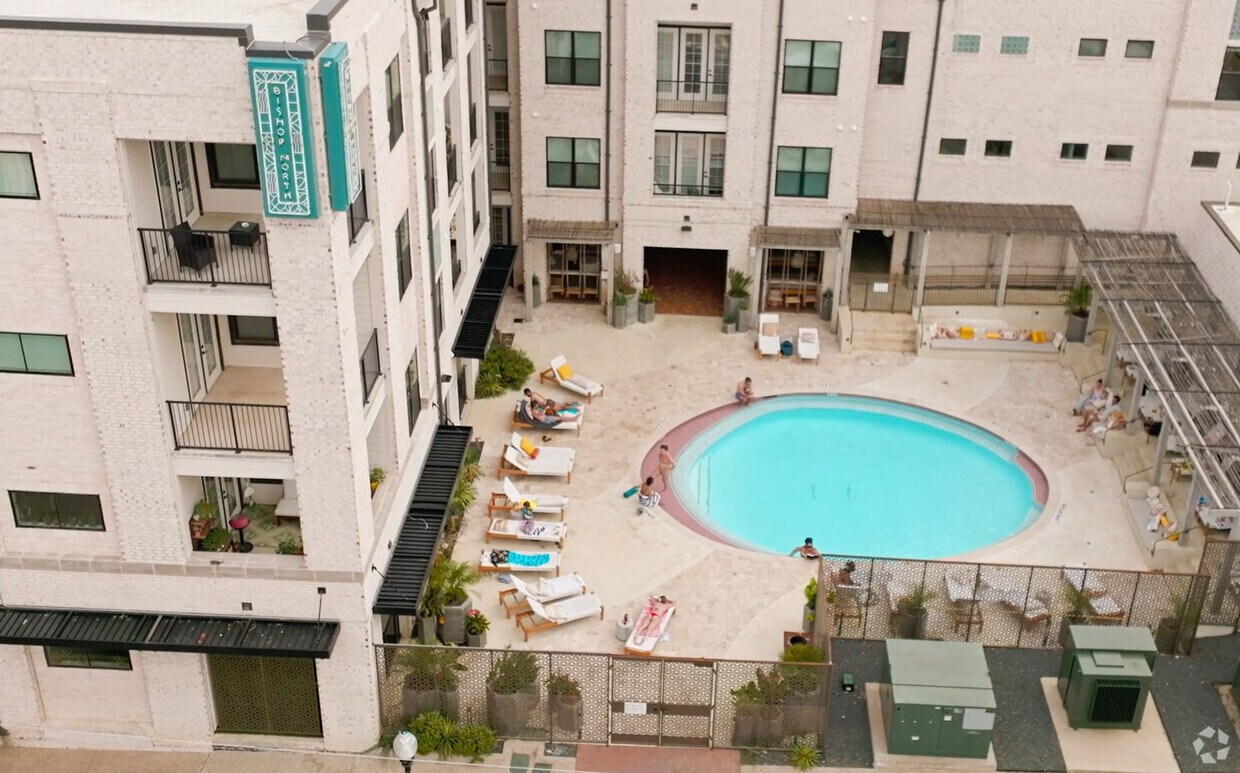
802 754
475 741
564 686
289 546
476 623
216 540
433 730
513 673
488 385
801 679
431 668
503 368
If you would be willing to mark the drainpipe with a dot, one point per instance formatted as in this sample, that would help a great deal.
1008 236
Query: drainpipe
925 125
607 126
770 152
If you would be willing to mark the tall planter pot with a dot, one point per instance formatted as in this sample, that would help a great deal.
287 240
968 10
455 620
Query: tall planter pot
428 632
566 713
1167 634
536 295
414 702
824 309
1077 325
619 316
452 630
510 713
910 623
731 305
742 316
645 313
758 728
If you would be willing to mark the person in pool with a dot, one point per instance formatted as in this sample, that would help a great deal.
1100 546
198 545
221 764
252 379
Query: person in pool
807 551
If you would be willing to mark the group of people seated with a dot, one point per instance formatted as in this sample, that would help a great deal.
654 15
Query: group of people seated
1099 405
548 411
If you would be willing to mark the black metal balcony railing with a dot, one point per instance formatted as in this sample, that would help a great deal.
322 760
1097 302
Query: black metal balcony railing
233 427
497 74
451 168
358 213
205 257
691 97
667 189
371 368
501 177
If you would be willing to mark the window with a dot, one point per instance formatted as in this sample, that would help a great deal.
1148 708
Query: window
573 270
572 162
1205 159
1092 47
892 58
689 164
395 110
952 147
1011 44
802 172
692 68
572 58
1074 150
999 148
413 400
1118 153
17 176
71 657
792 278
811 67
35 353
1229 80
253 331
45 510
469 13
445 41
437 308
404 259
967 44
1139 49
232 166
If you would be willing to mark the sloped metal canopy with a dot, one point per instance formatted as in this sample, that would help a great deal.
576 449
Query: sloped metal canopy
84 629
968 217
405 576
479 320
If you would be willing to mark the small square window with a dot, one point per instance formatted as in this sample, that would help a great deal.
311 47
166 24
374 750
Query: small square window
952 147
17 179
1092 47
1014 44
1119 153
999 148
967 44
253 331
1075 151
1205 159
1139 49
232 166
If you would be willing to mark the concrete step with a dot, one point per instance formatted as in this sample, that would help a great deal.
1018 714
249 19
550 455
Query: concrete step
877 331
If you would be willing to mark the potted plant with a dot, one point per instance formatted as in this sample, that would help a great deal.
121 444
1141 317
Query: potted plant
217 540
564 699
824 309
742 316
476 626
911 617
645 305
536 296
738 290
429 612
1077 611
803 678
802 753
290 546
1077 299
431 684
729 323
1180 615
759 719
512 692
626 285
201 521
811 604
619 310
449 582
377 474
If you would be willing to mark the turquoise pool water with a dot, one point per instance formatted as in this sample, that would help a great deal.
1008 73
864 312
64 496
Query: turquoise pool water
861 476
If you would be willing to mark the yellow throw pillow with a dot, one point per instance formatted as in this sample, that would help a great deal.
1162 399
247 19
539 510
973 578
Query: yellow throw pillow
565 372
528 448
966 332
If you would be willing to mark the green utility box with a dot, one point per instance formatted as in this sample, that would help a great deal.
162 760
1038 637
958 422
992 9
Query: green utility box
937 699
1105 676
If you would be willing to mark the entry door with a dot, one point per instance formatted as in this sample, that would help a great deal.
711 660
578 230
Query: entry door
705 58
225 494
692 62
175 182
265 696
200 352
719 65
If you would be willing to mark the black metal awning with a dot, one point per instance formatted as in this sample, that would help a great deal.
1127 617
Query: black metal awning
479 320
405 577
86 629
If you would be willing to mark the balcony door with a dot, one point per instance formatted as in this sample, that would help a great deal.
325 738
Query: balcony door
698 59
200 351
175 182
225 494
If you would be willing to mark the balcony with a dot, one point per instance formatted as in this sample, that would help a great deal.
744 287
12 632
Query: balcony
497 74
691 97
667 189
240 414
229 255
370 366
501 177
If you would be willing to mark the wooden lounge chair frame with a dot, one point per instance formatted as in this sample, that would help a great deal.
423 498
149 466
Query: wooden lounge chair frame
519 423
499 502
505 468
509 601
525 621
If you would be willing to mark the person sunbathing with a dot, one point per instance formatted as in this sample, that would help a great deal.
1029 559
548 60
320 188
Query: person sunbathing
544 415
537 400
1096 395
1092 414
653 615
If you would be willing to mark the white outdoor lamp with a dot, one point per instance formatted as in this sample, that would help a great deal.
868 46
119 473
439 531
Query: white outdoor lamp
405 747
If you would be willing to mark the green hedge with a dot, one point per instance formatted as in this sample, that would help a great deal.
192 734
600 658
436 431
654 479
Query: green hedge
503 369
440 735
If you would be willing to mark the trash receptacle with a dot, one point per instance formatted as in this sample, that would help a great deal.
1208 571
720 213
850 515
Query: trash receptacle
624 627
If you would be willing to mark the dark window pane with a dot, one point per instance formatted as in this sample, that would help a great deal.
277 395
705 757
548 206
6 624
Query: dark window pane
787 183
1228 87
587 72
796 80
1139 49
254 331
1119 153
1205 159
587 175
559 70
559 175
814 184
1073 150
826 81
1092 47
1001 148
952 147
79 511
891 72
34 508
232 166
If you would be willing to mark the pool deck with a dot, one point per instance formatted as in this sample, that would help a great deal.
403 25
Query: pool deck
734 603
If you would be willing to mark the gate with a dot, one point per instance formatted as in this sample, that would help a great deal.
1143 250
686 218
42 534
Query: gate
661 702
881 292
265 696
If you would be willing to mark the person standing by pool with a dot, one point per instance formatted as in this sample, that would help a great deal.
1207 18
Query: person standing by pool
807 551
744 392
666 464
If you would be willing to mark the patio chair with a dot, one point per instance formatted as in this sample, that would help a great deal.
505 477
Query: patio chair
1014 598
807 344
510 499
562 374
531 531
194 250
550 462
523 419
768 335
525 561
515 599
544 617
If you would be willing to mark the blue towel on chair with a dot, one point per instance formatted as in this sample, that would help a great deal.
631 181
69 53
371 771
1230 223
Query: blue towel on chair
527 559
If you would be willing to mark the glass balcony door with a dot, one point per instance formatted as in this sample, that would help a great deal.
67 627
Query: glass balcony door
175 182
200 352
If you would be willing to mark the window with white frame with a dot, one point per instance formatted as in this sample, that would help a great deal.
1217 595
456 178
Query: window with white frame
17 180
804 172
1014 44
966 44
811 67
693 62
689 163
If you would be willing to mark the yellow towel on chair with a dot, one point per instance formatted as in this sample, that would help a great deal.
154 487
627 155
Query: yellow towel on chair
564 372
528 448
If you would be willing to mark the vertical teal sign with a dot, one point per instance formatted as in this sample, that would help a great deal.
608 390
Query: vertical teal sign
282 133
344 166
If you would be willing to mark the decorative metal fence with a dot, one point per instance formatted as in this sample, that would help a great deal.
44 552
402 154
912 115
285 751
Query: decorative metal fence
999 605
1220 562
881 292
602 698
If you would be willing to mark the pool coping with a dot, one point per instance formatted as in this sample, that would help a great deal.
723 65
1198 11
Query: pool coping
678 437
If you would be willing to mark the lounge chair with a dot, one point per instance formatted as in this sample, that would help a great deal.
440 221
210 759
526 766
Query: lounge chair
807 344
533 531
510 500
560 373
768 335
544 617
515 599
963 593
522 457
523 419
1014 598
526 562
638 644
1101 605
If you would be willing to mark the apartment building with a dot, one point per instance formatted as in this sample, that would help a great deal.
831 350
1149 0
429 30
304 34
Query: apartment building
243 239
674 140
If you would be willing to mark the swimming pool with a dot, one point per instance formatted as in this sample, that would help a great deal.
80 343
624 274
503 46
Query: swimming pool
860 476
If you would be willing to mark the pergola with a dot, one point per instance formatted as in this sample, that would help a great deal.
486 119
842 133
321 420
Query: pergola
1185 348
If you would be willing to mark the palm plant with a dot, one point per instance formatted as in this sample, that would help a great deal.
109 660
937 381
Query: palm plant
449 579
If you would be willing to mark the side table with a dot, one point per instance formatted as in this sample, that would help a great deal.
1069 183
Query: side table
243 233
